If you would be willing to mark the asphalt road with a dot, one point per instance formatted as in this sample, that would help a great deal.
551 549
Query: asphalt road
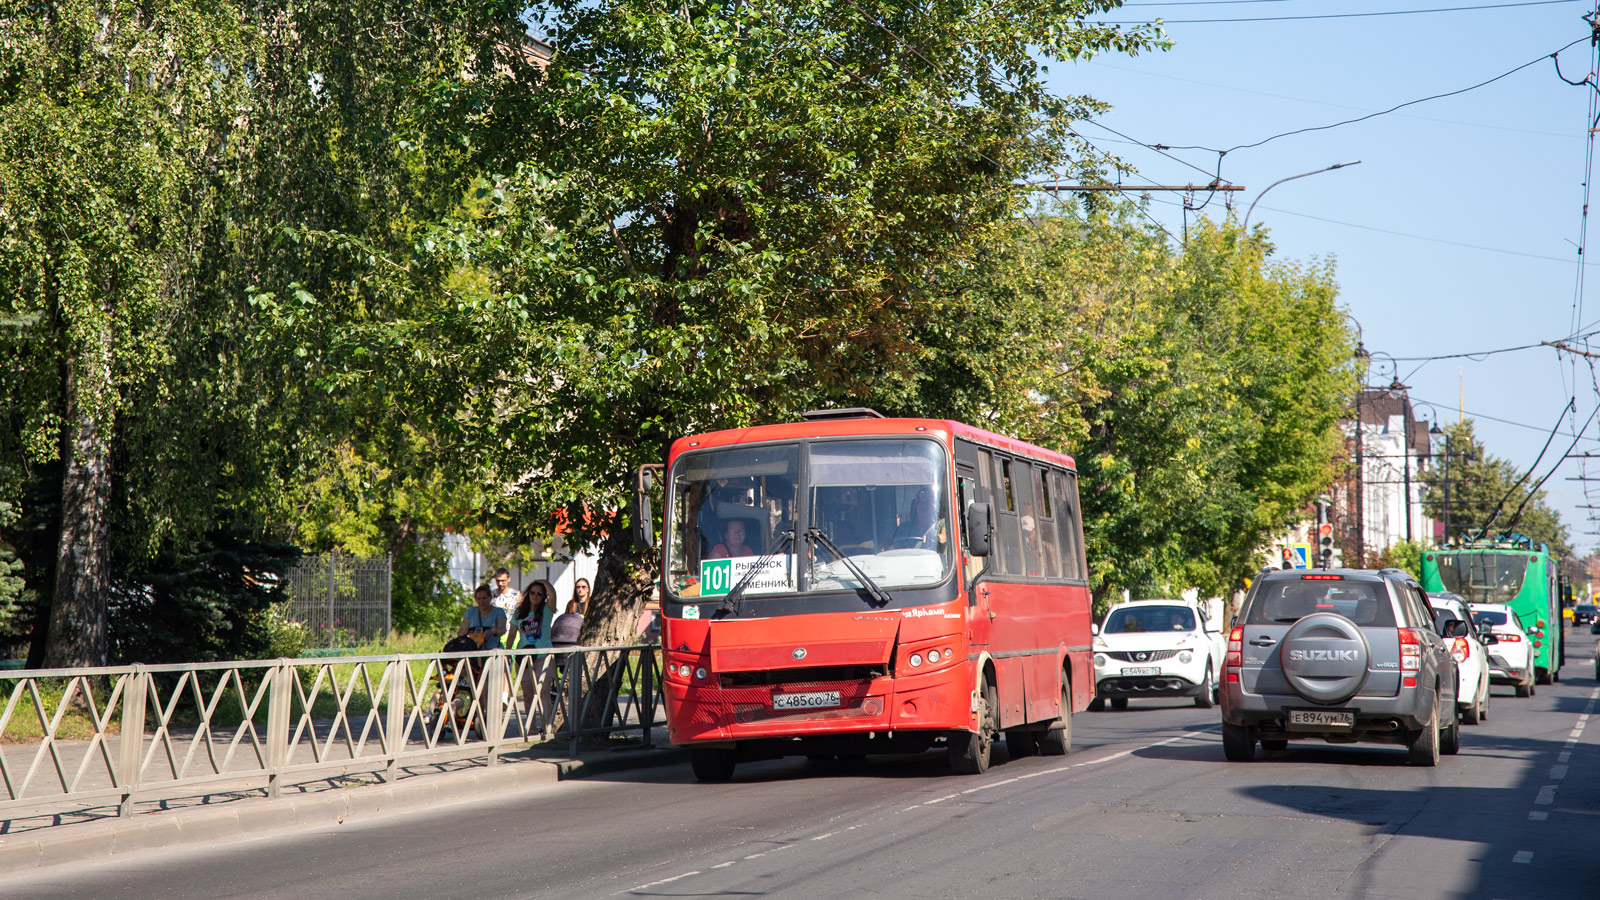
1145 808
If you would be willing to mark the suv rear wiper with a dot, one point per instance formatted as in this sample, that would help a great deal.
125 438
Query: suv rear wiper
730 603
878 593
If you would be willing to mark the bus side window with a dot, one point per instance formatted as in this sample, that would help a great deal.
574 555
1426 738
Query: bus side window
1028 518
1069 526
1048 544
967 493
1008 537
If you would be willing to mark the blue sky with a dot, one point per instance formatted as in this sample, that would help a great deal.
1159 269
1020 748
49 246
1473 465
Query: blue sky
1499 168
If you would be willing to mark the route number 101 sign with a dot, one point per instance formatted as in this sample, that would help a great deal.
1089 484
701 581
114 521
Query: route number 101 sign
718 576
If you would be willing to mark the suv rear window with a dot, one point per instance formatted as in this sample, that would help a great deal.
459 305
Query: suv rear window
1489 617
1283 602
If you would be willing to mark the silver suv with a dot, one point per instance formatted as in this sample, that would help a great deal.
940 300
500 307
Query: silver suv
1344 655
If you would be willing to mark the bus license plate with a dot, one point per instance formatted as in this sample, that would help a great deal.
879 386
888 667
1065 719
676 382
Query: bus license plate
1322 718
809 700
1142 670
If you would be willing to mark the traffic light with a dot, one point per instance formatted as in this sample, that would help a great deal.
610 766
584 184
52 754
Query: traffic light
1325 543
1288 558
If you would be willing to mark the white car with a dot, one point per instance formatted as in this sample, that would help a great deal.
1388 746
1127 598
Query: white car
1472 659
1157 648
1510 649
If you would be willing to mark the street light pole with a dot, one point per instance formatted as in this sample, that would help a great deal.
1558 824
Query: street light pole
1269 187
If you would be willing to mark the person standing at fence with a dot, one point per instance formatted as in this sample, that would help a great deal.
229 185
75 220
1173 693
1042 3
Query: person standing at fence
531 622
484 621
580 597
505 596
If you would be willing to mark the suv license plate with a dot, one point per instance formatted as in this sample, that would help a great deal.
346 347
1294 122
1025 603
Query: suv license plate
1142 670
810 700
1322 718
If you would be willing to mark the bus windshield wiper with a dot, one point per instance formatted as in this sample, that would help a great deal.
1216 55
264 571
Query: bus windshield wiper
821 537
730 603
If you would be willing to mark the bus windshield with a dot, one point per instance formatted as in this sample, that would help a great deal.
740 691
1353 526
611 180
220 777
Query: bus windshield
881 502
1483 577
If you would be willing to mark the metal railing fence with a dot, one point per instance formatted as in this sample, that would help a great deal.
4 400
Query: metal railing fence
125 733
341 600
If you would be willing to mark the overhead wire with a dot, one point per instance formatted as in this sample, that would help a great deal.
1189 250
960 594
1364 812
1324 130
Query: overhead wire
1360 15
1516 516
1485 83
1495 513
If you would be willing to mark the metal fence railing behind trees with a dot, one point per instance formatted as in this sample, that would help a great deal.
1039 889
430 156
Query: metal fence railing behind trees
341 600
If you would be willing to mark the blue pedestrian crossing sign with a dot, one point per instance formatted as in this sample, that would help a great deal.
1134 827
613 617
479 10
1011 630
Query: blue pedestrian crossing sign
1301 556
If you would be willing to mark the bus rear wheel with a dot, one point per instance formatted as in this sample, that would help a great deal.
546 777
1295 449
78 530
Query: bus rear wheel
970 751
712 765
1058 740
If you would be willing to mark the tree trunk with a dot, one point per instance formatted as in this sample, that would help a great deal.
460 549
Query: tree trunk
77 634
624 582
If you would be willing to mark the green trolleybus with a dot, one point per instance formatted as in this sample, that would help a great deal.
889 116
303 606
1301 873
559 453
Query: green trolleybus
1516 572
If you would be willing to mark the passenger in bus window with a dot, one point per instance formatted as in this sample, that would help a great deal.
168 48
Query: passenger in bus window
733 537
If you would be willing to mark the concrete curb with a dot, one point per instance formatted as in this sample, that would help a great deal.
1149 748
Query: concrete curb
103 840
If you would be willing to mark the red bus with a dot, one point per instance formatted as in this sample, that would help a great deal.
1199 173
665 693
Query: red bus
819 598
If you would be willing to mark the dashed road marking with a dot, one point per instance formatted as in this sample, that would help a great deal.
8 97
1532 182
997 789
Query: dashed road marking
1538 816
1547 795
1558 772
1564 756
1523 856
1051 771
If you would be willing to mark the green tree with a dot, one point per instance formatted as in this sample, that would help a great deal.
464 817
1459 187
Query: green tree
699 216
1198 387
113 122
156 160
1478 483
1405 555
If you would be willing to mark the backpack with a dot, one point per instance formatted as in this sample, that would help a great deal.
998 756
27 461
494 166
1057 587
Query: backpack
564 630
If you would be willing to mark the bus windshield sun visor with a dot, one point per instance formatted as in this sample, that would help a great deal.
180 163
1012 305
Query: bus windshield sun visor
821 537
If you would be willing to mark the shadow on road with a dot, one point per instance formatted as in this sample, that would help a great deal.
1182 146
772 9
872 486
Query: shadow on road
1494 818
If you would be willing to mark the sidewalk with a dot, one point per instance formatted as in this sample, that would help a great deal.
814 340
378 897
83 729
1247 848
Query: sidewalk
96 832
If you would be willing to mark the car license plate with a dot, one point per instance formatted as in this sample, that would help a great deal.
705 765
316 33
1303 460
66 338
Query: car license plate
1322 718
809 700
1142 670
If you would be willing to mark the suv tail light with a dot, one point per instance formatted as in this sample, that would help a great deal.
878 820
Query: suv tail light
1508 637
1410 650
1463 650
1235 657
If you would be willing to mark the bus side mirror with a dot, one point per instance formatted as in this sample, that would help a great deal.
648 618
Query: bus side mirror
644 527
980 528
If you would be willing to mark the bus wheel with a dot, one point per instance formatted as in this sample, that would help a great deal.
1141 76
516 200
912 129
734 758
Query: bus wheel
712 765
969 751
1058 740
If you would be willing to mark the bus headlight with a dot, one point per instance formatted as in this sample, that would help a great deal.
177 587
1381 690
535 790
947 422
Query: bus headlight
700 673
915 660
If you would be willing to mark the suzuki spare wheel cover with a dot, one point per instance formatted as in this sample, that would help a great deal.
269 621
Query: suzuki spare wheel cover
1324 657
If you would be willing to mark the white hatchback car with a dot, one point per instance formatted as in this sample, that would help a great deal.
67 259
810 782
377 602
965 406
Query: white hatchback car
1472 659
1157 648
1510 650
